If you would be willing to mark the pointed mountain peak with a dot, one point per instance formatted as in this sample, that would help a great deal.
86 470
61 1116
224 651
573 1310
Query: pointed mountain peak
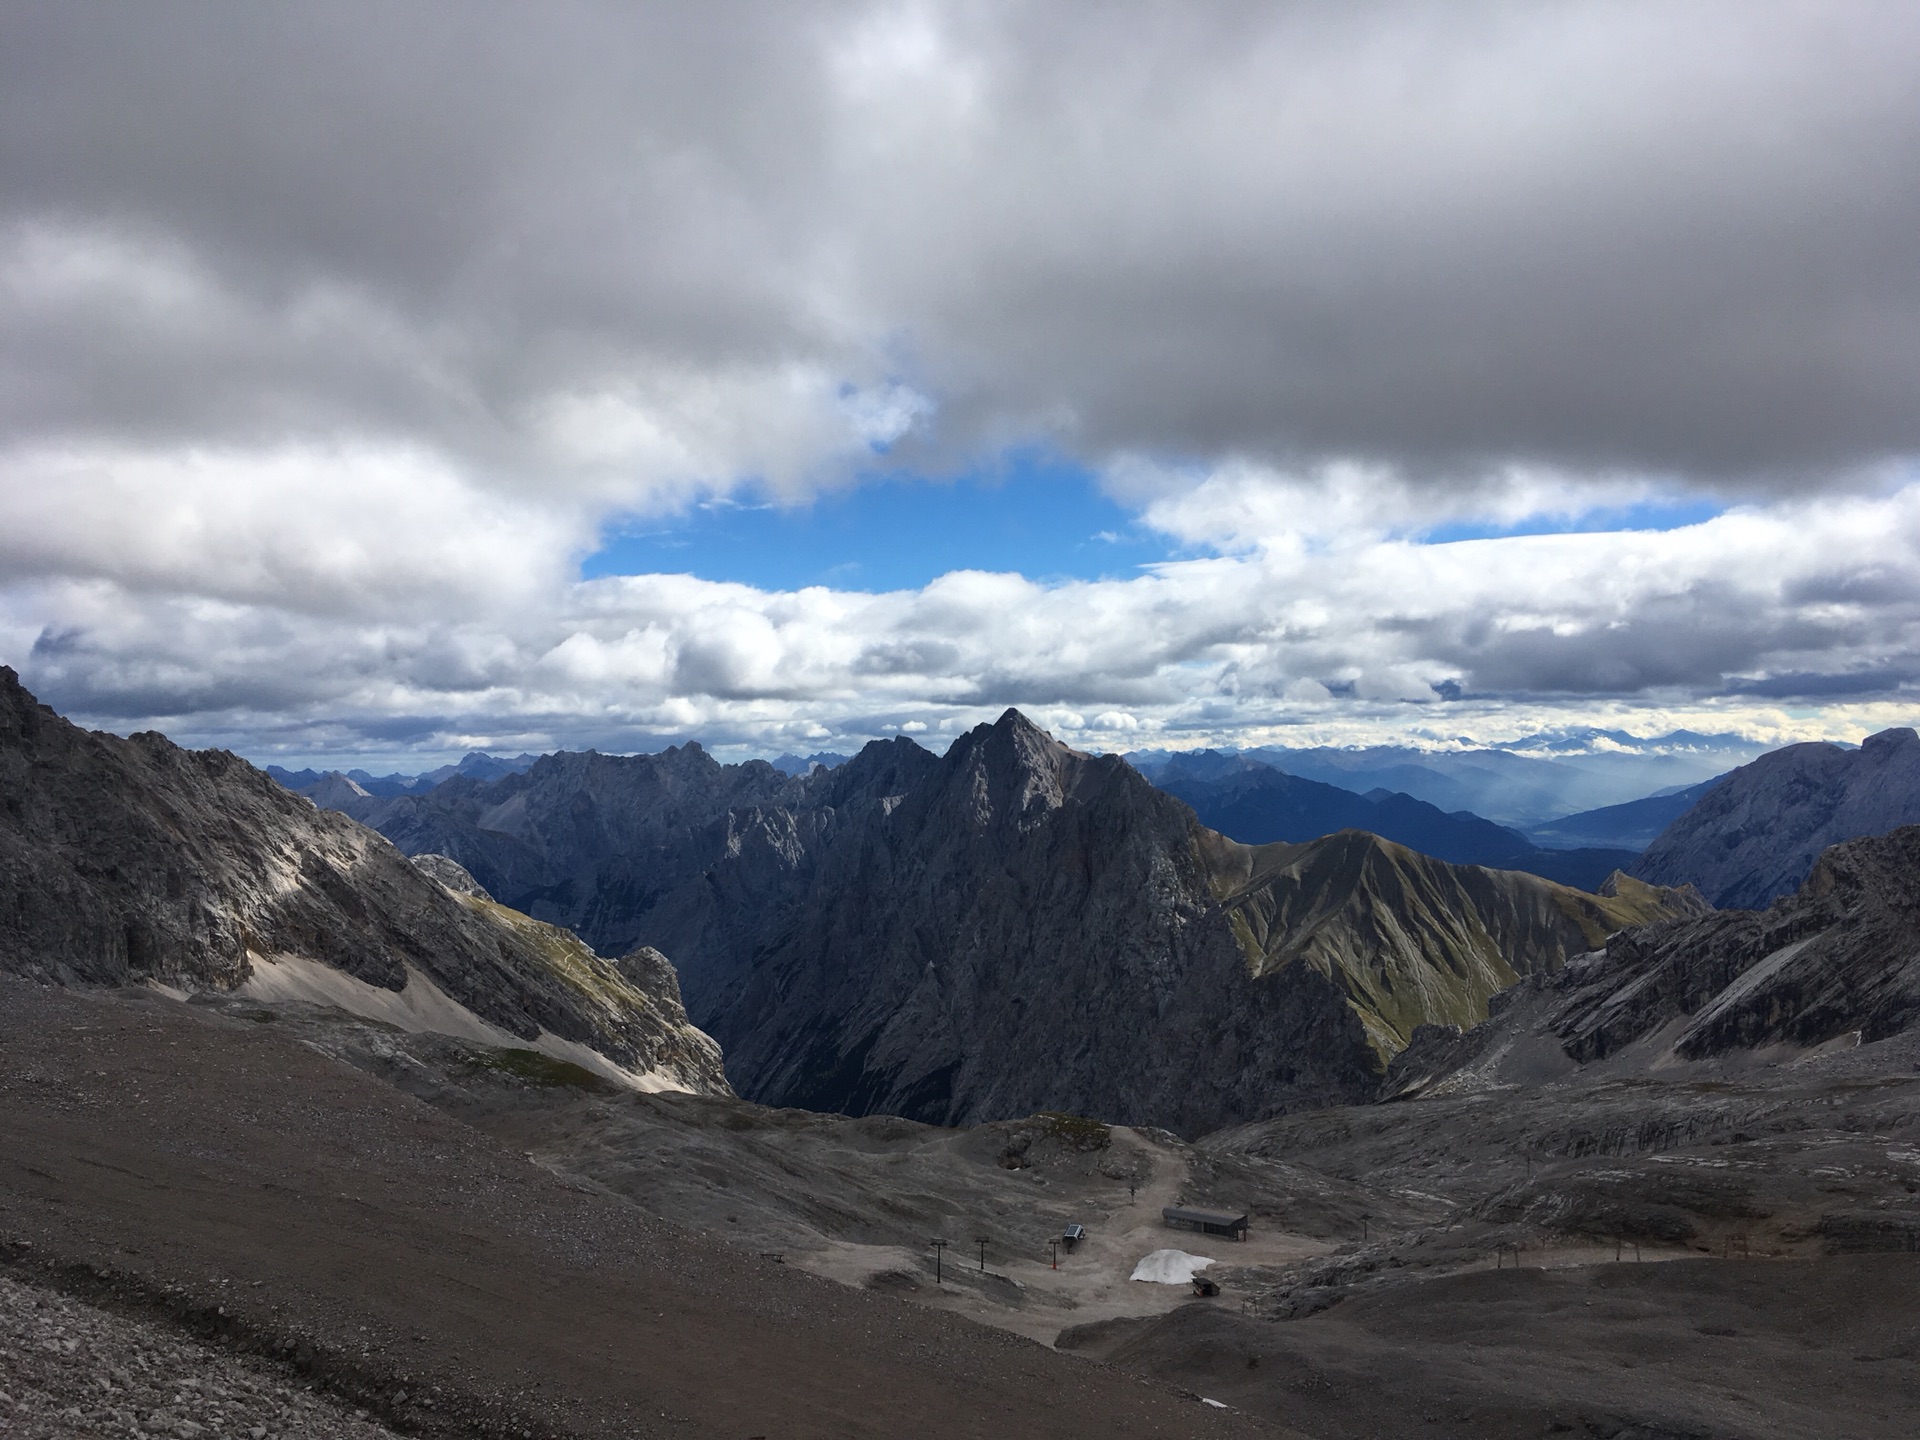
1016 740
335 791
1010 768
1014 722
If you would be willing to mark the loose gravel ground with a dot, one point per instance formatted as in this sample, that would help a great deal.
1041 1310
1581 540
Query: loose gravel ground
267 1199
72 1369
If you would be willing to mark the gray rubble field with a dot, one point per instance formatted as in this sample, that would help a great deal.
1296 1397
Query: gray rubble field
68 1368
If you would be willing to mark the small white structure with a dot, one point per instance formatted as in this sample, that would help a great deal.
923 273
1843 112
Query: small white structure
1169 1267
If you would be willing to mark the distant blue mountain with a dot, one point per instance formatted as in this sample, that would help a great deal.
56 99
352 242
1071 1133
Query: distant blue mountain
1632 826
475 763
297 779
1255 803
1557 776
794 765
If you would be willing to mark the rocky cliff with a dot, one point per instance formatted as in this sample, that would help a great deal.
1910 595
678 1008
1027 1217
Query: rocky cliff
1839 958
674 850
1754 836
1008 928
1032 928
134 860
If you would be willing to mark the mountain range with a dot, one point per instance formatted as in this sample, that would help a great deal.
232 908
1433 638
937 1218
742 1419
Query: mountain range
1256 803
1755 836
476 763
1011 926
1530 783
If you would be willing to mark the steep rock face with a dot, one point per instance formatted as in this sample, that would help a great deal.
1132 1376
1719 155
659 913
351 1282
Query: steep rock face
132 860
1029 929
452 874
673 850
580 839
1034 928
1840 955
1755 835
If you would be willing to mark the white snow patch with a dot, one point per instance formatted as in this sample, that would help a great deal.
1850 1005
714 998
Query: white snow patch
424 1007
1169 1267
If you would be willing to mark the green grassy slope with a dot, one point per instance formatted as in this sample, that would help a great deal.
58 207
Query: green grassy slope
1410 940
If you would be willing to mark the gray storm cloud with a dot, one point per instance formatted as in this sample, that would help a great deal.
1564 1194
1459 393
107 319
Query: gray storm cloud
1673 238
331 335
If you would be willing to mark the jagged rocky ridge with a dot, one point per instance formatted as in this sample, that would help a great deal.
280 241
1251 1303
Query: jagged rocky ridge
1035 928
674 850
1408 939
127 861
1839 958
1011 927
1755 835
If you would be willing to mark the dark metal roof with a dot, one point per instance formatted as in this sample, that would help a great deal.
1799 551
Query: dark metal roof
1202 1217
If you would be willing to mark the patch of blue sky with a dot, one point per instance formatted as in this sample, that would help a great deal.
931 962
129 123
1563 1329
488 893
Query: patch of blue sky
1647 515
1033 514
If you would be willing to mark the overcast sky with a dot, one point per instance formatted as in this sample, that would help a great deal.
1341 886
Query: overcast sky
1181 373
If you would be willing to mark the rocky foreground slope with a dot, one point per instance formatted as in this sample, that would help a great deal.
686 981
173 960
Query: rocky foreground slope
128 861
218 1174
1754 836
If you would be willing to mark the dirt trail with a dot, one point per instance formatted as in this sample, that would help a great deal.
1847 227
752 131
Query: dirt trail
210 1170
1029 1296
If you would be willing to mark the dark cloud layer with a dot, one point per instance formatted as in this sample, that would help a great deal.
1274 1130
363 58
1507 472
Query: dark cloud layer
331 337
1673 237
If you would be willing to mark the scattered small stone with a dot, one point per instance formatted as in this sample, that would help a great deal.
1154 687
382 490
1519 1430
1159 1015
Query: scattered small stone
62 1358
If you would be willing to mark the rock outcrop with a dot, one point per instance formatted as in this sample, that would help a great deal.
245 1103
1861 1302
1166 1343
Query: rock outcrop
1755 836
673 850
130 861
1837 961
1032 928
